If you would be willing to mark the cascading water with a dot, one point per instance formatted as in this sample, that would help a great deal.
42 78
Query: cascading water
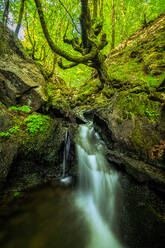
66 153
97 186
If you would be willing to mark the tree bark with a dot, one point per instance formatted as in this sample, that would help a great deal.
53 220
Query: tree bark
113 25
20 17
95 8
101 67
85 23
101 9
6 13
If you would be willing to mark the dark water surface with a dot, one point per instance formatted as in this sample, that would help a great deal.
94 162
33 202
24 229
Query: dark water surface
45 218
49 218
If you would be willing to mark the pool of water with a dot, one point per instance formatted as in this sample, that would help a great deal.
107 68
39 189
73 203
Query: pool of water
44 218
50 218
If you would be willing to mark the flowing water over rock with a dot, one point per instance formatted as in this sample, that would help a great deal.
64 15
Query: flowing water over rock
97 187
107 209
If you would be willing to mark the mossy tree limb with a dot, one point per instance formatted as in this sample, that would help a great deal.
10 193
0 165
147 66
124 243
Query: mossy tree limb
89 47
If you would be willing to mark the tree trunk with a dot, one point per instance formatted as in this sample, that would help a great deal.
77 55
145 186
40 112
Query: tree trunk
101 67
113 25
101 9
6 13
85 23
20 17
95 9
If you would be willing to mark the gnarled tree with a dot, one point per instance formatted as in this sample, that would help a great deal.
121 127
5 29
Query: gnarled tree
92 41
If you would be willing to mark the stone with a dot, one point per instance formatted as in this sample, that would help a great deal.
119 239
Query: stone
21 82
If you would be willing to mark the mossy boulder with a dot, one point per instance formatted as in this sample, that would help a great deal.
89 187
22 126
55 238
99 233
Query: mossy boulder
20 80
136 125
59 97
133 121
29 143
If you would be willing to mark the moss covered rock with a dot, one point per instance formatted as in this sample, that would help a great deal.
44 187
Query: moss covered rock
20 80
29 143
133 121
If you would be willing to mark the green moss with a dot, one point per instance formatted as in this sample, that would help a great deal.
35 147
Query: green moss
59 97
138 105
119 121
90 94
143 138
3 47
151 113
108 92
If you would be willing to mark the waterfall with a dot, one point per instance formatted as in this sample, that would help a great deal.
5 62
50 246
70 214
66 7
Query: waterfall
66 153
97 185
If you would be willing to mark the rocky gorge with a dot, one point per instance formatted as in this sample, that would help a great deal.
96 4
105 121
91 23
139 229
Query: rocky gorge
36 113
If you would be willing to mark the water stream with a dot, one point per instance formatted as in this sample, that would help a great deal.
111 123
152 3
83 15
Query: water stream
97 187
66 153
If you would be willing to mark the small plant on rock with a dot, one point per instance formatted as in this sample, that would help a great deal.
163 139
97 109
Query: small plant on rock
24 108
37 123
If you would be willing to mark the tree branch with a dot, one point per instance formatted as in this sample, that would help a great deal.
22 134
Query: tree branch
20 17
61 65
6 12
56 49
69 15
103 42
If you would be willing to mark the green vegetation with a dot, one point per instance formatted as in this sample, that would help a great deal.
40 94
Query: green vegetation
34 124
12 130
138 105
24 108
118 19
151 113
37 123
16 194
128 78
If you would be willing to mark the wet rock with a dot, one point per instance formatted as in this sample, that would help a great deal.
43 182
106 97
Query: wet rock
5 118
139 170
132 124
8 152
134 131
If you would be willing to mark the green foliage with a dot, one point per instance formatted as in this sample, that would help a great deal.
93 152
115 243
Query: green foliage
4 134
151 113
24 108
12 130
130 15
37 123
16 194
